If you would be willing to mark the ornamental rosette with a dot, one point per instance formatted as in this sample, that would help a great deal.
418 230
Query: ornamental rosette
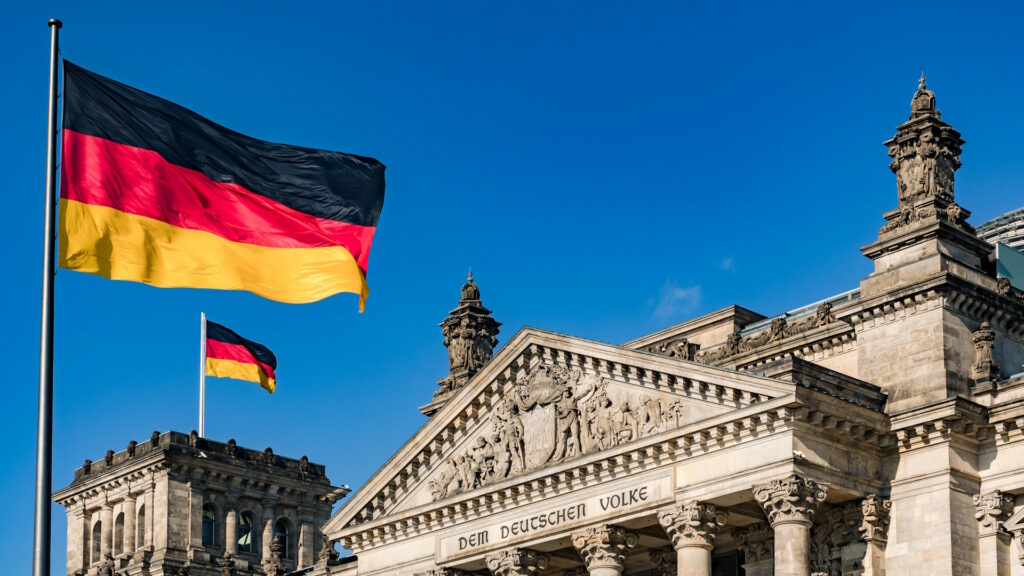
604 546
692 524
516 562
791 499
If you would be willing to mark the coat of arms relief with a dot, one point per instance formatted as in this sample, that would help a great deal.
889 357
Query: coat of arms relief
550 414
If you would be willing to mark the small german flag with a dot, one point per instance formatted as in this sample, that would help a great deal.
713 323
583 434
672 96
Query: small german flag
155 193
228 355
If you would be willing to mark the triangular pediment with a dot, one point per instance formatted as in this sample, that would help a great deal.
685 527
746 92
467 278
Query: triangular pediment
545 400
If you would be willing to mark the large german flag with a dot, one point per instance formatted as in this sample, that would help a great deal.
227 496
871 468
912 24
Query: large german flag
155 193
228 355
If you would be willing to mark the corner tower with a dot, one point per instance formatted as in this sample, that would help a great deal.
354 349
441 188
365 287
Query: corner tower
470 334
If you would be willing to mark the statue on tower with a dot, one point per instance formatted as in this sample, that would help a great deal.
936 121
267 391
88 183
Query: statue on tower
470 334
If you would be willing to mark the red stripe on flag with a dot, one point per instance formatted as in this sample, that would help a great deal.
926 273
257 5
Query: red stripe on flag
139 181
236 352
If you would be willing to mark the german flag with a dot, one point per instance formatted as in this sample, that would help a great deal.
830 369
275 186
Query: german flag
228 355
155 193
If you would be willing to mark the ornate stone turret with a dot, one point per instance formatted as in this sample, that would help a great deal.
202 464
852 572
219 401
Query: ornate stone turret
470 334
925 155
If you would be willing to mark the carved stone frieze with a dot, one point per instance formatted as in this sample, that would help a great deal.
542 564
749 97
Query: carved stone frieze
984 366
692 524
666 560
328 554
779 329
990 511
516 562
874 525
757 542
552 413
470 334
446 572
791 499
680 348
604 546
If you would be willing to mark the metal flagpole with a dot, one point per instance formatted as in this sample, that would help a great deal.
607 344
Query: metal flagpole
44 423
202 375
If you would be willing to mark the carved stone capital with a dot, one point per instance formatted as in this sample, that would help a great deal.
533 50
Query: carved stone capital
604 546
757 542
874 524
446 572
692 524
666 560
990 511
516 562
791 499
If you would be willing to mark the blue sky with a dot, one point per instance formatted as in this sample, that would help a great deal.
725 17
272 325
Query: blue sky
607 169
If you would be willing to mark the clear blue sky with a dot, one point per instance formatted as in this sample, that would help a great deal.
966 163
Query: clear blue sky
607 169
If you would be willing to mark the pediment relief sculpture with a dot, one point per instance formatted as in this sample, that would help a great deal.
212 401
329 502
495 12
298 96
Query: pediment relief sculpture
550 414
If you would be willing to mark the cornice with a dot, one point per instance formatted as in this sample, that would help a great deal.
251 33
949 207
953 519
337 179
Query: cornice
952 418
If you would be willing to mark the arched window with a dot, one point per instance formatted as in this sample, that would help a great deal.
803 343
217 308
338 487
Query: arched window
97 541
281 531
209 526
119 534
245 532
140 528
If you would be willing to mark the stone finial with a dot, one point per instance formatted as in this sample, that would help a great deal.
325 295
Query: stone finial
274 566
692 524
470 334
231 448
874 524
226 565
131 448
108 458
268 456
791 499
990 511
666 560
87 466
757 542
516 562
193 439
327 552
984 366
923 101
604 546
154 439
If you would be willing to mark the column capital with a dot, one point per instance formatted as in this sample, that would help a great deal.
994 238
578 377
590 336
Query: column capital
874 524
446 572
692 524
793 499
516 562
604 546
666 561
990 511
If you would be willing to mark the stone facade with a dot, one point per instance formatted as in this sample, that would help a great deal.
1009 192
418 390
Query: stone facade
178 504
877 431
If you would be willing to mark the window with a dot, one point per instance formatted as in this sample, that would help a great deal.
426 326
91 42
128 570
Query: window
245 532
140 528
209 526
281 531
119 534
97 540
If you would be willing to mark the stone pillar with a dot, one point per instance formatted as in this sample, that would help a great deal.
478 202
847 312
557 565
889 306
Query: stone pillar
231 526
993 541
147 528
604 548
516 562
106 529
874 528
195 514
268 528
76 537
128 544
305 555
789 504
692 527
757 542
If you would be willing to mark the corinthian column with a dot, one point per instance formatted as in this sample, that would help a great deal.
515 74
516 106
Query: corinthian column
604 548
692 527
789 504
993 541
516 562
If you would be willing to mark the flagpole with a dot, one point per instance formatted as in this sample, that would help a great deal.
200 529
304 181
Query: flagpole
202 375
44 422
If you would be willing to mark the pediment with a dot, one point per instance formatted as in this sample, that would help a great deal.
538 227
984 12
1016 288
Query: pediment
545 400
